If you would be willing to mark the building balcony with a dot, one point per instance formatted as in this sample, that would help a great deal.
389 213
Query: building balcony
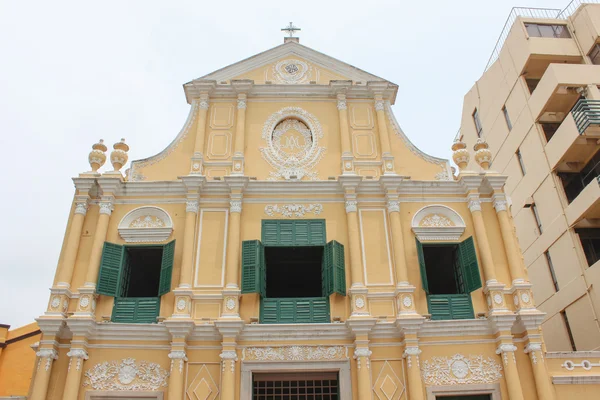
576 140
559 89
586 206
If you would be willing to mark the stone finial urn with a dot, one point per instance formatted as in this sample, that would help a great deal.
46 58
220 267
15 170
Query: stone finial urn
97 158
460 154
483 155
118 157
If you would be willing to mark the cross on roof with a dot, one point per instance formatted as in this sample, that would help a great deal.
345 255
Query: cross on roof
290 29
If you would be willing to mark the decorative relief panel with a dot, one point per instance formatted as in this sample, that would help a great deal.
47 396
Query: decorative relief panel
460 370
292 136
126 375
389 385
293 210
292 72
221 116
437 222
363 145
219 145
203 385
361 116
146 224
295 353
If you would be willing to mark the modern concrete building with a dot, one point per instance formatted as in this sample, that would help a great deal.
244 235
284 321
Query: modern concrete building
538 107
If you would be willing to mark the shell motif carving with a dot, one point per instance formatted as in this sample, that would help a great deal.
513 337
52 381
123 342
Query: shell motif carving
460 370
126 375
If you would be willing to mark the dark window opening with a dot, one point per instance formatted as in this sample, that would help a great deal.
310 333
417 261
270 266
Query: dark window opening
575 182
294 271
536 216
144 271
549 129
590 241
443 274
569 331
532 84
547 31
507 118
595 54
551 268
296 386
477 121
521 162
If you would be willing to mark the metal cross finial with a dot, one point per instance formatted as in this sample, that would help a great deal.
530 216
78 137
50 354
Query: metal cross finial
290 29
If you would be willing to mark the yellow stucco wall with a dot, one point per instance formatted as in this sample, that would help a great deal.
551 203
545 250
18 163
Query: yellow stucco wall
17 360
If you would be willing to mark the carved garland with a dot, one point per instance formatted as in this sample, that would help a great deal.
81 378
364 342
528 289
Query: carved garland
295 353
459 370
126 375
299 164
293 210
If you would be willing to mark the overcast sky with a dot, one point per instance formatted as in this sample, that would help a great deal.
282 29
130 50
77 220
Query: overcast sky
74 72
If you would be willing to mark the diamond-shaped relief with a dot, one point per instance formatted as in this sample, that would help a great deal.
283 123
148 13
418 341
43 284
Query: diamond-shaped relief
387 385
203 386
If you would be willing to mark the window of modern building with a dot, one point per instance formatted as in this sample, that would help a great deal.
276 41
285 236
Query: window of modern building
531 84
595 54
136 276
547 30
521 162
507 118
478 126
590 241
449 273
536 216
569 331
574 182
551 268
549 129
294 270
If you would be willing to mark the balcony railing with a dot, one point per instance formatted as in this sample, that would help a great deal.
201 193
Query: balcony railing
585 113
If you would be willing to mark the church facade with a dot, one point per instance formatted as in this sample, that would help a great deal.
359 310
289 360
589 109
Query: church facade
292 243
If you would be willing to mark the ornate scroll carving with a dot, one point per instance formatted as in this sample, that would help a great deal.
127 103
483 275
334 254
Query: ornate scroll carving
293 210
295 353
126 375
458 370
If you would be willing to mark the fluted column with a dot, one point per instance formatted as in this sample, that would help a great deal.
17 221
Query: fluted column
229 359
198 157
177 375
76 358
513 382
413 371
65 271
187 259
362 355
540 373
46 357
485 252
240 136
517 271
106 207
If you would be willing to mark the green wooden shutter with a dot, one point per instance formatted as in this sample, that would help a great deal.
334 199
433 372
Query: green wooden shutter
461 306
301 232
253 267
439 306
422 266
333 269
125 278
450 306
124 309
139 310
320 311
468 263
294 310
109 278
166 268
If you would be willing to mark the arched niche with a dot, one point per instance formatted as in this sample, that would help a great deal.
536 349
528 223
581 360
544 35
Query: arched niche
437 223
146 224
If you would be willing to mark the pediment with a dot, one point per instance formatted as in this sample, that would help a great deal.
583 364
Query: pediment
271 65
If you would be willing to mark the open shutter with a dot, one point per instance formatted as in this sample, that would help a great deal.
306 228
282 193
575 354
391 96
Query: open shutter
253 267
333 269
468 263
422 266
124 280
301 232
439 306
166 268
109 278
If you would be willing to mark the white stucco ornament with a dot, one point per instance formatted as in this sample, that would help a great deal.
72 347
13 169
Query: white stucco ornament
292 71
292 136
181 303
55 302
459 370
84 302
498 299
294 353
146 224
359 302
126 375
516 300
293 210
407 301
230 304
525 297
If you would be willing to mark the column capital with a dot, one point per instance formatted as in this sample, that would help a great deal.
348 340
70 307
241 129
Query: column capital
393 206
506 347
180 355
351 205
411 351
106 207
532 347
49 354
81 204
80 355
341 102
474 203
191 206
204 102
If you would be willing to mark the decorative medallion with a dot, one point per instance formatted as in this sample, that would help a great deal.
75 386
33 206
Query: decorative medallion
55 302
359 302
525 297
84 302
181 303
295 353
293 210
407 301
516 300
459 370
126 375
498 299
293 150
230 303
292 72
